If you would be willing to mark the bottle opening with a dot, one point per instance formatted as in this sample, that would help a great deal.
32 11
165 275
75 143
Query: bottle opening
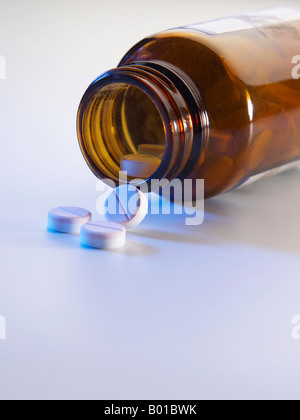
142 119
123 127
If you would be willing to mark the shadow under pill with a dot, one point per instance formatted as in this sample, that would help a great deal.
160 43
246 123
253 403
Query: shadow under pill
131 248
136 249
62 239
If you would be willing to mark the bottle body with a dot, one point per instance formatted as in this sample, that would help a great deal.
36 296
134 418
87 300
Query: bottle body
241 81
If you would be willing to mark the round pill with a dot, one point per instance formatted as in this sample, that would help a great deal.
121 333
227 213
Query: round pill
126 205
103 235
139 165
68 219
152 149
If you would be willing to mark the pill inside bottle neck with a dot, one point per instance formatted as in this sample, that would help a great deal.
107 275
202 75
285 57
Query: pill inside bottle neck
144 135
127 123
141 121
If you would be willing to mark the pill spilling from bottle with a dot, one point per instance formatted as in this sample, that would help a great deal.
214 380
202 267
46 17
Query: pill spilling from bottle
126 205
218 101
125 208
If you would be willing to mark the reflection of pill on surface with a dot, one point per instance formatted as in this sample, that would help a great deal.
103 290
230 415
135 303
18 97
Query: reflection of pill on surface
68 219
103 235
126 205
151 149
139 166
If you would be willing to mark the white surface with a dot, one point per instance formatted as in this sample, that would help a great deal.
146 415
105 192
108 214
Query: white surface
126 205
211 316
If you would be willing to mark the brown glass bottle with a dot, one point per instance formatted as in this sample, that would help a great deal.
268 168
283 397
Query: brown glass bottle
224 102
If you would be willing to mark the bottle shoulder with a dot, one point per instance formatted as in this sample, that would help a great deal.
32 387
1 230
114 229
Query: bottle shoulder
201 59
240 51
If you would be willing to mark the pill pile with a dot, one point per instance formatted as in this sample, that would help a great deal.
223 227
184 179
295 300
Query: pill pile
126 207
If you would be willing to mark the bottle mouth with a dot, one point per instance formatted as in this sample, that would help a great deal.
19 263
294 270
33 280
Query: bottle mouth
133 110
120 120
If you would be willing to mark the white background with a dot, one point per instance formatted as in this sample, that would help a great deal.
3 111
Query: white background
181 312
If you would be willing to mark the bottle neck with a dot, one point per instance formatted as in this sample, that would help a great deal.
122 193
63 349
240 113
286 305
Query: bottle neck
144 102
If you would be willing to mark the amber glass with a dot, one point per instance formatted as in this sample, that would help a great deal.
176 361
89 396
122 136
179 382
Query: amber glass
226 106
